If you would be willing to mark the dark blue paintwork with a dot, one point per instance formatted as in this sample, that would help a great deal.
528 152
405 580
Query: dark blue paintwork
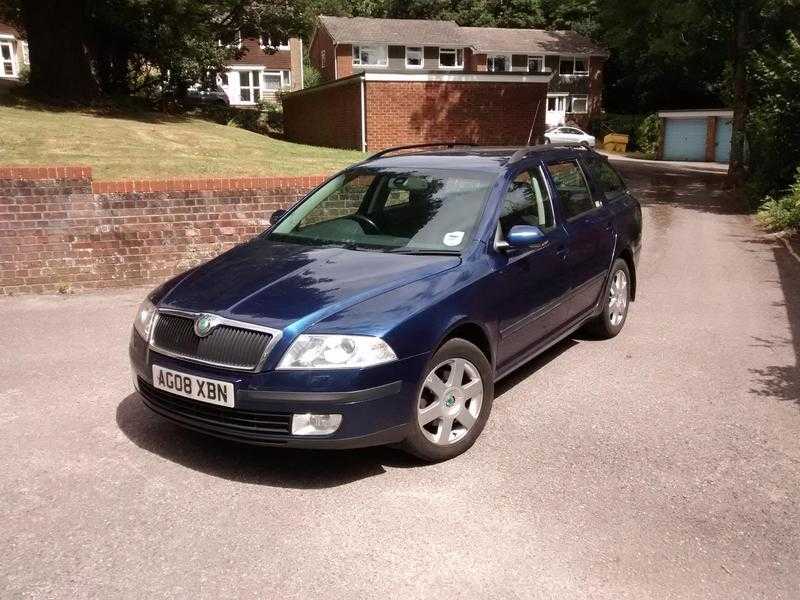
513 303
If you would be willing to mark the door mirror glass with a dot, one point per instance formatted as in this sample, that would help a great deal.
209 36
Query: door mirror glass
276 216
524 236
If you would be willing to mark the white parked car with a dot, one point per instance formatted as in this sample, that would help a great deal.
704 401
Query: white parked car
568 135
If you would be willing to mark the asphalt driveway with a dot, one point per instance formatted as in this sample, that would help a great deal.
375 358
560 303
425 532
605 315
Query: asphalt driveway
662 464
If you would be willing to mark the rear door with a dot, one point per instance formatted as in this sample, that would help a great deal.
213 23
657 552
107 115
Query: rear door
590 236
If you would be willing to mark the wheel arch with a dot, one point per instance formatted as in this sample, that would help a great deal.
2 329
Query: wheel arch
474 333
627 256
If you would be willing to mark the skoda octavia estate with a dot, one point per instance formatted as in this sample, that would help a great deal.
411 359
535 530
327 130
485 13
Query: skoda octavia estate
384 306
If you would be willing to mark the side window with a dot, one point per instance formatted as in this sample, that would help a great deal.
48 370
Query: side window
527 203
608 182
573 191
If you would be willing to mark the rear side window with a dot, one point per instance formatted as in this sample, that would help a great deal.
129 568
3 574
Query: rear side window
608 182
573 191
527 203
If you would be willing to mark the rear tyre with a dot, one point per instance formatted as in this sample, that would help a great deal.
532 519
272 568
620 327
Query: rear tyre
452 403
616 301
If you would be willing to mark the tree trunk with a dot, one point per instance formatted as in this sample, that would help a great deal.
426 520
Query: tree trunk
739 49
60 67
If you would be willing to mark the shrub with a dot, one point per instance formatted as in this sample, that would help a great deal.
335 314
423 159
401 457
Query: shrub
648 134
311 75
782 212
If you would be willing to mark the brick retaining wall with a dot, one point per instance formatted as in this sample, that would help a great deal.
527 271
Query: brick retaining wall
62 231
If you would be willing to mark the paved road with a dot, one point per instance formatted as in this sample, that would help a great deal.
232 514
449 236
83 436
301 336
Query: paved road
662 464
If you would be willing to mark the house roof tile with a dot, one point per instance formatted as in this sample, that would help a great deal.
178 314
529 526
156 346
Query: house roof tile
403 32
530 41
417 32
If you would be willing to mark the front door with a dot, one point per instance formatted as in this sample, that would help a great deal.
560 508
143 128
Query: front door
8 67
590 239
530 282
556 110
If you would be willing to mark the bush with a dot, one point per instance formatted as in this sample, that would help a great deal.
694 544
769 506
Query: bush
311 75
271 116
648 134
783 212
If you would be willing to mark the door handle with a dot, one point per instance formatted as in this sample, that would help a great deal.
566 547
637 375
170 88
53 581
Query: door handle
562 251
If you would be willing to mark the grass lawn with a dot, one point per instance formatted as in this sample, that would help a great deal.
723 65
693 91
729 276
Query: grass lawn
153 145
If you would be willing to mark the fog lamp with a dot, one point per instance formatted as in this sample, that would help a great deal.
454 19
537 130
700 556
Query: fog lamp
309 424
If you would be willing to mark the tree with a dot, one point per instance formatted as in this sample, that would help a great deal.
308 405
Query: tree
80 49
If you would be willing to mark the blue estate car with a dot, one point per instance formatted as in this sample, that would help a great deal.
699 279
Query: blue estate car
383 307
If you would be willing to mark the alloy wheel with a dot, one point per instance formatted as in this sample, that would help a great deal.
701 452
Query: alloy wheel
618 298
450 401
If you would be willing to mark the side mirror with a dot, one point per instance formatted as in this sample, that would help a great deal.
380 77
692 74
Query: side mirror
276 216
523 236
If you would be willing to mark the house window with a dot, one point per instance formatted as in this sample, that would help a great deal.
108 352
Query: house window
497 63
222 79
249 86
557 103
451 58
573 65
280 43
370 56
323 58
414 57
8 67
272 81
579 104
535 64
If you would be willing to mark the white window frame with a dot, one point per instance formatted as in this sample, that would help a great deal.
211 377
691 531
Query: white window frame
421 51
323 59
13 59
564 59
258 79
583 97
381 49
560 100
507 57
269 44
540 58
458 54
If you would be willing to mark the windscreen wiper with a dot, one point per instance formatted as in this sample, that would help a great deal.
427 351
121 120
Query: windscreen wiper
424 252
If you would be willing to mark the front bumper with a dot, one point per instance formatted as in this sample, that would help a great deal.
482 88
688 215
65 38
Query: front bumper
375 404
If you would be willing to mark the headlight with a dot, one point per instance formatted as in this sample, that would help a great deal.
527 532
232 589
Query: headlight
144 319
336 352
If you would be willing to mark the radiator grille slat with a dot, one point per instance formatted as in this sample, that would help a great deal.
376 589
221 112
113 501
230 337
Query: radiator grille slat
225 345
231 419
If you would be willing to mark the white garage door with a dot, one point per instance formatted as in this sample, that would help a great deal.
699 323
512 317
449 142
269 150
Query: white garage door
685 139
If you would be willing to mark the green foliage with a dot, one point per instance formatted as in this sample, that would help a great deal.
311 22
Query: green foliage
774 130
648 134
311 75
782 212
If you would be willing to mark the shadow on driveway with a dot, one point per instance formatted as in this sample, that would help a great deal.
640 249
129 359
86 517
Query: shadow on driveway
276 467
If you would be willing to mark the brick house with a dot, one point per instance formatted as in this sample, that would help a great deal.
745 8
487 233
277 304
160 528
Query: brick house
259 72
13 53
393 81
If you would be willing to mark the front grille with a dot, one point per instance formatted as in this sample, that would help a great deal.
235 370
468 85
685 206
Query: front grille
225 346
232 422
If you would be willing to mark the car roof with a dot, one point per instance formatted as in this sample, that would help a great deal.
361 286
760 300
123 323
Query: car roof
481 158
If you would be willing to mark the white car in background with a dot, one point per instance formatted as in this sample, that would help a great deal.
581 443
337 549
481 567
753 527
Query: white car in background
568 135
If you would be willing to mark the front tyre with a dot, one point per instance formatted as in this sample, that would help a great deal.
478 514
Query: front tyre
615 302
453 402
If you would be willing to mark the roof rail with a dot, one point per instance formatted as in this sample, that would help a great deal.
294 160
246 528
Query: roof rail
386 151
523 152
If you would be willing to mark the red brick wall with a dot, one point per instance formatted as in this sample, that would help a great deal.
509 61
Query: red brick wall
59 231
325 116
481 112
344 60
252 54
323 42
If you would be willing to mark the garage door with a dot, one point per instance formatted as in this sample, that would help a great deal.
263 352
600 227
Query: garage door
723 141
685 139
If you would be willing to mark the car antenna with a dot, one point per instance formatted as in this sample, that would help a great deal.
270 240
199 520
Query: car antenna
533 124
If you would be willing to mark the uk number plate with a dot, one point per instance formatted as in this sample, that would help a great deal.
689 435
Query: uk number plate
196 388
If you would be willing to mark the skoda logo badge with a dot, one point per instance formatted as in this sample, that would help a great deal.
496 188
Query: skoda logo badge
203 325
